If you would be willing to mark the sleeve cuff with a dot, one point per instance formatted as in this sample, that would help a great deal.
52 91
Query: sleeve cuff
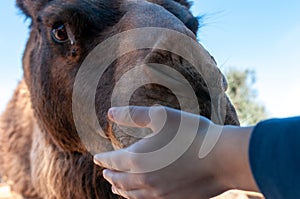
274 154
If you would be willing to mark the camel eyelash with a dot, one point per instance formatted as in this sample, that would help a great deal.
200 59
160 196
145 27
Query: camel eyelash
62 33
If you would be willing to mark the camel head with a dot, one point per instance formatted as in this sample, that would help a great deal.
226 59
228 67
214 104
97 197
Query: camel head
63 34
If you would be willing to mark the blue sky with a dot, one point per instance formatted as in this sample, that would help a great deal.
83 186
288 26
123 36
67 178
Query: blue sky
259 35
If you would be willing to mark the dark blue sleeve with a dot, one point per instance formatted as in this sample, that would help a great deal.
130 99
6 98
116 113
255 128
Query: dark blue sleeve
274 154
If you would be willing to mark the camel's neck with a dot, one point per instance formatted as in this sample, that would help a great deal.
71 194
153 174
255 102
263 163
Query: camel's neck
41 167
16 125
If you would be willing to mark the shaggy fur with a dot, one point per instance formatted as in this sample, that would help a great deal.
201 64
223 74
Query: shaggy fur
41 155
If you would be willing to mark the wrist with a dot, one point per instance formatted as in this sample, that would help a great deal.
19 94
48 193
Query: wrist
232 158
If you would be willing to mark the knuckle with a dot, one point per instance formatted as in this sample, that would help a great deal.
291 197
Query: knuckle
158 194
147 180
133 162
136 163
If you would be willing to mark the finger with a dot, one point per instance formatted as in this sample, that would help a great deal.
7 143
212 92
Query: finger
131 116
134 194
113 160
137 116
124 181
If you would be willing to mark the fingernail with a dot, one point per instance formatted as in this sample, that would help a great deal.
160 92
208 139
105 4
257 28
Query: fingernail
113 189
111 114
105 173
96 160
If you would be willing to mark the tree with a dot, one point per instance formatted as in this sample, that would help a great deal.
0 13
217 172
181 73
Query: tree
243 96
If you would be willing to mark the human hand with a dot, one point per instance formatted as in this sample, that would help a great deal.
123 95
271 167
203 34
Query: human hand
188 176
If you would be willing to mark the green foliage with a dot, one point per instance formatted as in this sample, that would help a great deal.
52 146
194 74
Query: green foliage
243 96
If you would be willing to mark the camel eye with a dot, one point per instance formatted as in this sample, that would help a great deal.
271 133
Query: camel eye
59 33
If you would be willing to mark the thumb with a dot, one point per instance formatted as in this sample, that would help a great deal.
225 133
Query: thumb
139 116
